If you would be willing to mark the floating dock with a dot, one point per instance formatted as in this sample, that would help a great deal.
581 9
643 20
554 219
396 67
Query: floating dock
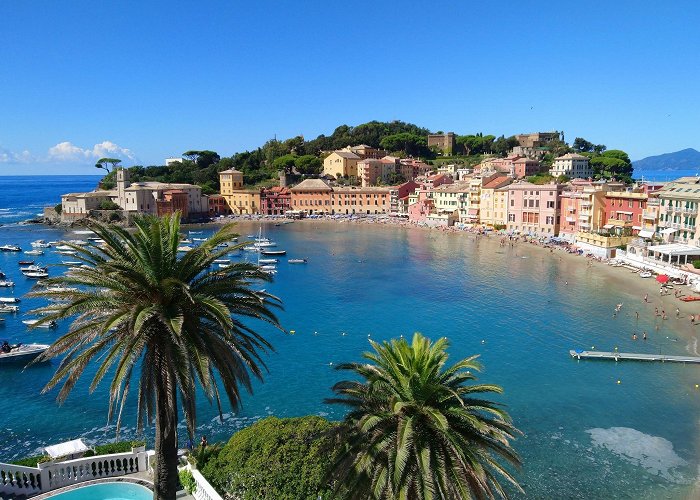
619 356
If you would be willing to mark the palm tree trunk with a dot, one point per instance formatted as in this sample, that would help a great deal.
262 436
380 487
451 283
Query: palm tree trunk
166 475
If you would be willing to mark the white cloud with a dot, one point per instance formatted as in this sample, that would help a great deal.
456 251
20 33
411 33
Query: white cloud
7 156
69 152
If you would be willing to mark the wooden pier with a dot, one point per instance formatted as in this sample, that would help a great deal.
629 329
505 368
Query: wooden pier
619 356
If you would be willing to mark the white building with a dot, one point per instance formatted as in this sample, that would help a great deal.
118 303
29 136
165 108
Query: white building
170 161
573 166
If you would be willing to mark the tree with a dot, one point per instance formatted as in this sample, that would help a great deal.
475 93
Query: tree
285 163
309 165
411 144
612 163
144 312
109 205
103 162
416 429
280 458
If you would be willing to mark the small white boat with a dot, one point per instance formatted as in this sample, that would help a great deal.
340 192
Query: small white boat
199 239
184 248
10 248
71 262
222 245
84 231
36 275
6 283
195 232
222 261
36 251
64 247
645 274
297 261
268 261
81 243
33 322
40 244
8 300
21 353
67 252
61 289
224 266
251 249
32 268
186 241
264 244
268 268
5 309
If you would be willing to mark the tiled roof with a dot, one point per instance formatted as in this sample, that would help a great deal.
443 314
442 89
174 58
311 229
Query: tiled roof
312 185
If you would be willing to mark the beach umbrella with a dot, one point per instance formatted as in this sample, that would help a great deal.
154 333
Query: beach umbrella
662 278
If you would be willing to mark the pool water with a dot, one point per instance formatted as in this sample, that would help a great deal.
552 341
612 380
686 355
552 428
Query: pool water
107 491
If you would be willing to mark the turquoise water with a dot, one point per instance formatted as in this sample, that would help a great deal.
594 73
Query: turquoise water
108 491
584 435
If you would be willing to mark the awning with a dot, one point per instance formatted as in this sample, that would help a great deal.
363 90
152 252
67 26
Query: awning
669 230
473 211
608 226
638 228
623 212
646 234
67 448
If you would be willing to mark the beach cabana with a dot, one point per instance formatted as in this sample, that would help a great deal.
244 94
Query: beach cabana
674 253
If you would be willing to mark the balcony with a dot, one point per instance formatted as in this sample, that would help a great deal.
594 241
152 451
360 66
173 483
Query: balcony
649 215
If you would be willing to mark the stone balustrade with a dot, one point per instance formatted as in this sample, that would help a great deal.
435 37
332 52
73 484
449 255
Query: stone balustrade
204 491
20 480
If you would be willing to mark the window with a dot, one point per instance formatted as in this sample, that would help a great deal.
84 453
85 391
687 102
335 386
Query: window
550 204
511 217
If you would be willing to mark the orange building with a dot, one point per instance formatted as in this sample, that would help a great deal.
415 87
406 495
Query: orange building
174 200
315 196
312 196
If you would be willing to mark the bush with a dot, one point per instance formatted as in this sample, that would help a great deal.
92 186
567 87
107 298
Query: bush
114 216
696 264
31 461
187 481
118 447
58 208
276 458
109 205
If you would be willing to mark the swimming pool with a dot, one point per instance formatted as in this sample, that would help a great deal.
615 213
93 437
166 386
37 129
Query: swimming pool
107 491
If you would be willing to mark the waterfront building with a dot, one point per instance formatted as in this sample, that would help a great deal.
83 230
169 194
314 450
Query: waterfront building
490 202
398 197
623 211
582 207
218 205
341 164
572 165
446 143
360 200
679 201
533 208
275 200
312 196
449 204
156 198
240 200
500 207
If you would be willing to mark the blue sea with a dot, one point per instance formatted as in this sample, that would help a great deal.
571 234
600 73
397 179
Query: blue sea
520 308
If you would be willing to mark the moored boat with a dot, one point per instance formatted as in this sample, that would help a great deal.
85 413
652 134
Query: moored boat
20 353
10 248
26 262
40 244
274 252
8 300
36 251
34 323
36 275
297 261
7 309
268 261
7 283
184 248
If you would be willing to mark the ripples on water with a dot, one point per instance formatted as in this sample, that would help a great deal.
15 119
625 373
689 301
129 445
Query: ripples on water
585 436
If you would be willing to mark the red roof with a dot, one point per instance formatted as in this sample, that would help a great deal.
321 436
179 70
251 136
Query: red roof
496 181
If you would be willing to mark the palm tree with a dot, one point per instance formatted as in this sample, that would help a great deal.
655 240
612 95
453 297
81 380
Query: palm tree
143 312
417 430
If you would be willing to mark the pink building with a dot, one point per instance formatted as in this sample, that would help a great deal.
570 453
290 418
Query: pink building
399 197
410 168
524 167
419 211
434 181
275 201
533 208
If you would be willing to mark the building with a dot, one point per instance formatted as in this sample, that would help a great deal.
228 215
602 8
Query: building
275 201
398 197
410 168
582 207
240 200
491 202
500 207
525 167
447 143
623 211
360 200
341 164
372 171
155 198
170 161
312 196
537 139
449 203
218 205
678 211
364 151
533 208
572 165
433 181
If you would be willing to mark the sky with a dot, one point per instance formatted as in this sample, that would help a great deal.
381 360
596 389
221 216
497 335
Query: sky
143 81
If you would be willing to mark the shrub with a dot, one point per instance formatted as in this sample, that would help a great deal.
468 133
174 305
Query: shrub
118 447
696 264
109 205
187 481
58 208
114 216
31 461
276 458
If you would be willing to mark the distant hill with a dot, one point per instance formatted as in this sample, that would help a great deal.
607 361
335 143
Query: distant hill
686 159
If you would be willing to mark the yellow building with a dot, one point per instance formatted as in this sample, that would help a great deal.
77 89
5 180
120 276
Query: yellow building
341 164
492 202
500 206
239 200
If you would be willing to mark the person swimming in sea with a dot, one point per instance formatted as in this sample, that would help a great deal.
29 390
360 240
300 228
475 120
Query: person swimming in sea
634 336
